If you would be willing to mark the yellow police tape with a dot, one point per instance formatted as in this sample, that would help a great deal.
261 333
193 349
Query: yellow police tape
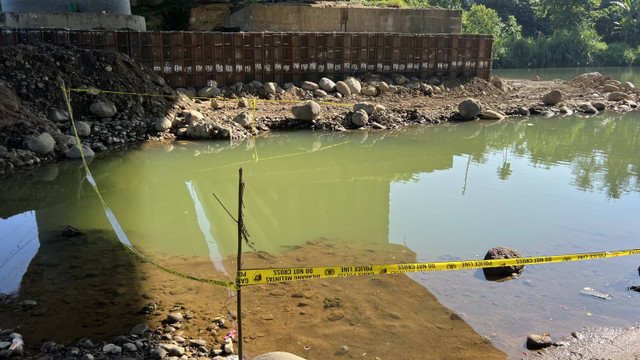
266 276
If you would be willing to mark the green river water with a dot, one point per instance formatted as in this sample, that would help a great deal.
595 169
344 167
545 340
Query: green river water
449 192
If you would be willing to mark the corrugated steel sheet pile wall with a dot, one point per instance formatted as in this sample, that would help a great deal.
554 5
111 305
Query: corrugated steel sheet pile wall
186 59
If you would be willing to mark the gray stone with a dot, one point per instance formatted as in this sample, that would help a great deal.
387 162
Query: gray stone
565 110
158 353
244 119
278 355
610 88
353 84
588 109
162 124
73 351
130 347
626 86
215 104
112 349
57 115
613 82
198 342
243 103
83 129
319 93
617 96
551 98
271 88
191 92
174 317
469 108
193 115
74 152
399 79
173 350
535 342
311 86
502 252
498 83
599 105
103 109
256 84
491 115
426 89
42 144
139 329
307 111
343 88
87 357
24 305
383 86
413 85
209 92
369 91
178 339
369 108
360 118
327 85
4 344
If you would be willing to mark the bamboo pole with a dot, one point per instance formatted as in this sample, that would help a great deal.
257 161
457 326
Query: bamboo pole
239 264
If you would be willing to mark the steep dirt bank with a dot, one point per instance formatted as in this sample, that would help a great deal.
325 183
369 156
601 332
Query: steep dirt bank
35 126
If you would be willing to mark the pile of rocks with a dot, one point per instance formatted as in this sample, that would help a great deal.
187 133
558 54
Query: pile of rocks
140 343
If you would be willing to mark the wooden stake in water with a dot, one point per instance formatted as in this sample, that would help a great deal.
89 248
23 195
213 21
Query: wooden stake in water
239 265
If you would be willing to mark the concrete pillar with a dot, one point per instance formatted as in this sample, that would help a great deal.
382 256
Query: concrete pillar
87 6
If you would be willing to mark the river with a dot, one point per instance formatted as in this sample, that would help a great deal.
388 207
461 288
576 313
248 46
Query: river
450 192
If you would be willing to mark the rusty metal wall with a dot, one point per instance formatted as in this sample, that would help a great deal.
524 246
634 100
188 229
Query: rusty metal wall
187 59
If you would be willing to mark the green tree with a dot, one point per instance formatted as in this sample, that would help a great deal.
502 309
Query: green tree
523 10
566 14
628 24
481 20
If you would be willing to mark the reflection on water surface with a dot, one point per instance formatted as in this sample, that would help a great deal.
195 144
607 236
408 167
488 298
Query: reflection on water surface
542 186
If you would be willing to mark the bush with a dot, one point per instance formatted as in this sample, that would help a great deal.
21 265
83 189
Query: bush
616 54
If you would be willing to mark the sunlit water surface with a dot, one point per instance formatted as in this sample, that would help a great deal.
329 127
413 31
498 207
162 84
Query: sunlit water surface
542 186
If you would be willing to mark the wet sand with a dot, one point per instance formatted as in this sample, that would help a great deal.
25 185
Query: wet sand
371 317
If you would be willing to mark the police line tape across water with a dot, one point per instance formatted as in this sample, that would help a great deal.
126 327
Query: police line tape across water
247 277
266 276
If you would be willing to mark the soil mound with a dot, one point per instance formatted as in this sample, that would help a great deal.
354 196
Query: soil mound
31 80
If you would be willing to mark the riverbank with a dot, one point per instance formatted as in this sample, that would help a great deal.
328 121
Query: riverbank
370 317
35 125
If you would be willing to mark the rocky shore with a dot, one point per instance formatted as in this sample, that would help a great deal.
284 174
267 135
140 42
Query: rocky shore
116 100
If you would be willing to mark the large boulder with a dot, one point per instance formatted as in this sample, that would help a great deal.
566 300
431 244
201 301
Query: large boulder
610 88
469 108
354 85
360 118
83 129
502 252
369 108
399 79
75 153
343 88
42 144
200 129
103 109
551 98
209 92
271 88
383 86
57 115
369 91
162 124
307 111
193 115
327 85
617 96
311 86
244 119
